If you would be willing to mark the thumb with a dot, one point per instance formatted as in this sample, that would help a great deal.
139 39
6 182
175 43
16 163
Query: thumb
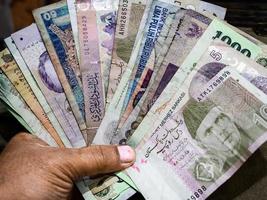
96 160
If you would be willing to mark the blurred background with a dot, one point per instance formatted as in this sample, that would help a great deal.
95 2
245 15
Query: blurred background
250 182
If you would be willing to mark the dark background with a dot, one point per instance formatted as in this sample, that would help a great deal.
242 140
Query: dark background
250 182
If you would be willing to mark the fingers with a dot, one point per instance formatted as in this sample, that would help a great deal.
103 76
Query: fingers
95 160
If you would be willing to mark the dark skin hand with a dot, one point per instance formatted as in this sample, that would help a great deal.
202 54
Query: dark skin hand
30 169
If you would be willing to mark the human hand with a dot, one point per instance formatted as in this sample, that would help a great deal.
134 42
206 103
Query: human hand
30 169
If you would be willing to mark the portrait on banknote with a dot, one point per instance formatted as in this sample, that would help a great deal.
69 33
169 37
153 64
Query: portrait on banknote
212 131
222 123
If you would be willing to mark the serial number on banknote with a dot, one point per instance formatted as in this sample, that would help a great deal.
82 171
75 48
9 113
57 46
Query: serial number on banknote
197 193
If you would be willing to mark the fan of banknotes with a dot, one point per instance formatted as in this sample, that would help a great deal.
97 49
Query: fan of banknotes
170 78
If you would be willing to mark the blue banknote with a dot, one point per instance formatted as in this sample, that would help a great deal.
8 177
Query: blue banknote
58 27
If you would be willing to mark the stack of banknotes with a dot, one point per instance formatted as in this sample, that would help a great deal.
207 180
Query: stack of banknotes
170 78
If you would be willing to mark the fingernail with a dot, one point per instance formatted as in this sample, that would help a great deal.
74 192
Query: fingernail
127 154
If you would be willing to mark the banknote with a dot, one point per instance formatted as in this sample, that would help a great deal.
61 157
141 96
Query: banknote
53 22
74 25
150 29
188 32
14 74
129 17
106 23
106 16
40 70
215 121
106 188
13 99
94 97
112 188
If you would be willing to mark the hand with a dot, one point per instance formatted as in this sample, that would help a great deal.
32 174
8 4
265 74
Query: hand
30 169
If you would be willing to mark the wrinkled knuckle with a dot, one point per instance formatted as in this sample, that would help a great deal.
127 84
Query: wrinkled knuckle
101 158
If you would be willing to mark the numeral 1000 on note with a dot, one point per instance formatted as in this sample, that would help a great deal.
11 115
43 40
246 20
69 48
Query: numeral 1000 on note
235 45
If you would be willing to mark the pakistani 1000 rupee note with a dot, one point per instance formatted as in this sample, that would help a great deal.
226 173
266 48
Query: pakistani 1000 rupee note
13 99
42 72
129 17
22 67
14 74
188 32
90 66
74 25
215 121
150 28
53 22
